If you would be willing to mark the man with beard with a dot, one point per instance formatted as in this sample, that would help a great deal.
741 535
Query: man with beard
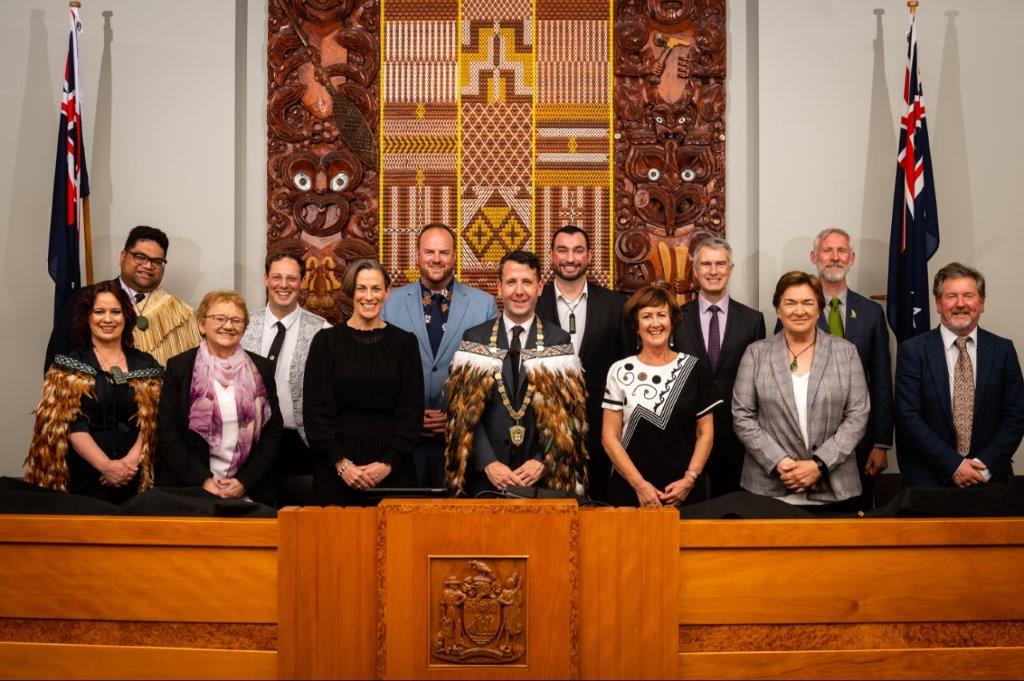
516 396
282 332
862 322
718 329
166 325
592 315
959 392
437 309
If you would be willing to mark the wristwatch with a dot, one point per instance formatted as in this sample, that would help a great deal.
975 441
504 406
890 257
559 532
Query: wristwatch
822 468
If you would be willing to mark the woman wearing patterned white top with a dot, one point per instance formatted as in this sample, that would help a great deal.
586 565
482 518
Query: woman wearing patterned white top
658 422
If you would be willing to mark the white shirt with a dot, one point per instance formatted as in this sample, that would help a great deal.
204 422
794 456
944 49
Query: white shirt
952 355
222 456
131 292
527 325
800 385
283 368
578 309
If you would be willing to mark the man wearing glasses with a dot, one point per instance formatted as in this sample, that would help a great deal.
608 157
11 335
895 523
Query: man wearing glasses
166 325
282 332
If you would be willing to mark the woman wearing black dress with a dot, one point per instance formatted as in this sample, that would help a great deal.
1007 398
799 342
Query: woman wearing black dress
363 402
95 428
658 426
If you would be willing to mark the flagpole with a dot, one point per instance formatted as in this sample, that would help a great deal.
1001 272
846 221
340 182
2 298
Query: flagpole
912 6
86 217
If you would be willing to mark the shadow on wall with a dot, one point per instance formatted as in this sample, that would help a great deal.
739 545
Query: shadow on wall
105 253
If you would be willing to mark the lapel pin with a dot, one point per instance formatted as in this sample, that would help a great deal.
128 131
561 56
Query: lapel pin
853 314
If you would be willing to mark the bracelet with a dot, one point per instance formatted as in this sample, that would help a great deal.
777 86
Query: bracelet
691 474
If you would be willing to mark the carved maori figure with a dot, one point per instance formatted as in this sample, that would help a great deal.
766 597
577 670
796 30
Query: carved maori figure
322 124
669 104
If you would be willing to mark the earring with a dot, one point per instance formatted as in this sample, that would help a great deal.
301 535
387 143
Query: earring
671 342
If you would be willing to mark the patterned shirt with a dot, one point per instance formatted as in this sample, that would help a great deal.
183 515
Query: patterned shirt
435 312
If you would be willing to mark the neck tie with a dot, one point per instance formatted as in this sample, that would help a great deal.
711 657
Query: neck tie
714 337
514 351
275 347
963 398
139 297
835 319
435 329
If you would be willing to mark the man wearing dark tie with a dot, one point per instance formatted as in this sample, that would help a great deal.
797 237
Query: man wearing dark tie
592 315
861 321
959 392
718 329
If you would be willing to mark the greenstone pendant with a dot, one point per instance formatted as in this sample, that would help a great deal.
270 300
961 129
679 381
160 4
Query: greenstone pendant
142 323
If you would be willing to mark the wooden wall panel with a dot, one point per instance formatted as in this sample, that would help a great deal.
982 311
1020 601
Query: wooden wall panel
62 661
723 586
948 663
148 583
628 583
70 529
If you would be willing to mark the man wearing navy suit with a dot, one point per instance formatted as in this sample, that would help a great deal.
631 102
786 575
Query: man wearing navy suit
959 392
592 315
718 329
437 309
861 321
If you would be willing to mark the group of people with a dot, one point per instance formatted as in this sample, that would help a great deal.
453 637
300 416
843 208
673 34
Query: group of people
570 386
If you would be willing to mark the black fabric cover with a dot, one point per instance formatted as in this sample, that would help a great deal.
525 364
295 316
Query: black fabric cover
996 499
18 496
742 505
193 502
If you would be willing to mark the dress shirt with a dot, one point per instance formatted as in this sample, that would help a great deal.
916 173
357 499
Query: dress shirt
221 457
578 308
132 292
842 307
527 325
705 317
800 386
283 367
952 354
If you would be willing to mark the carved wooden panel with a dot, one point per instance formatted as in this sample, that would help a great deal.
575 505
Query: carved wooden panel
669 100
322 120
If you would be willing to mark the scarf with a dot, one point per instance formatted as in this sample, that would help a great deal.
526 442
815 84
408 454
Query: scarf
251 400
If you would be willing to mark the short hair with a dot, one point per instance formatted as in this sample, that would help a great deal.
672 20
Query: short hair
710 242
83 308
348 284
434 225
522 257
956 270
281 255
222 296
798 278
570 229
832 230
146 233
652 295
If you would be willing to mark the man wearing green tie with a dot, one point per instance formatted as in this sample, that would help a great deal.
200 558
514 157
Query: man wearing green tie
862 322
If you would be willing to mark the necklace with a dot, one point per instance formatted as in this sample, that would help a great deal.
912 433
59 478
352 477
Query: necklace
115 371
141 321
794 365
516 432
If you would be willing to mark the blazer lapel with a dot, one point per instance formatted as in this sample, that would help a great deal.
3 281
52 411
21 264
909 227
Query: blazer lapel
783 376
456 311
506 365
531 342
691 326
414 305
732 323
984 357
591 325
822 355
935 355
546 306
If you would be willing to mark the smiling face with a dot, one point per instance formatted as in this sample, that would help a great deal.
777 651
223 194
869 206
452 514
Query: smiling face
960 305
570 256
369 295
284 281
436 258
146 275
106 321
713 267
834 257
223 327
798 309
654 325
518 288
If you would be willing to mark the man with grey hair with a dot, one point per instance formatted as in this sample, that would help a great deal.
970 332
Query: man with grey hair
959 392
718 329
861 321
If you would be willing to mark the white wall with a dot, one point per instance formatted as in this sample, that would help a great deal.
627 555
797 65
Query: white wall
176 136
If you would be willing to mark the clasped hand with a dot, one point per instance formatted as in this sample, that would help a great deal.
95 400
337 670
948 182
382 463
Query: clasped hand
675 493
969 473
527 475
225 488
119 472
798 476
363 477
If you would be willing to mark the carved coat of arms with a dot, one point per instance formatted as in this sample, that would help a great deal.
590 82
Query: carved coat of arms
481 618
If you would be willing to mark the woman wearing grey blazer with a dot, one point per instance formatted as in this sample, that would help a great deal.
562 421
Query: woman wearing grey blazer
800 406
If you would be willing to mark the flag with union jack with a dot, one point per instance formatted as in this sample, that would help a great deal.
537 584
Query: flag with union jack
914 237
70 182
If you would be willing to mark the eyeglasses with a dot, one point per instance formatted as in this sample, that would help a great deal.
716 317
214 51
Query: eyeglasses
221 320
142 259
279 278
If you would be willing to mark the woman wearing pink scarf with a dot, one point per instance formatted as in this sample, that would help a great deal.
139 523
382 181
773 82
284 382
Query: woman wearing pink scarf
219 425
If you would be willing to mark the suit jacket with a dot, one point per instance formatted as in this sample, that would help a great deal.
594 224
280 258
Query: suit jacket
744 325
309 325
765 416
927 452
490 438
469 307
183 456
605 341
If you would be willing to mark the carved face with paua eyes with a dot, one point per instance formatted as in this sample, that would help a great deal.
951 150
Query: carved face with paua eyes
669 181
319 189
670 11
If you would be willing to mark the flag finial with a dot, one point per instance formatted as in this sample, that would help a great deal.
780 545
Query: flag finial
912 6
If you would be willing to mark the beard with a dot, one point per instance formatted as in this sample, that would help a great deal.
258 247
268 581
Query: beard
833 274
580 272
428 276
